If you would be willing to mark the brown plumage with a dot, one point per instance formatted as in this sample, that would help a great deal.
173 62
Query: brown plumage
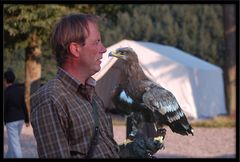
161 102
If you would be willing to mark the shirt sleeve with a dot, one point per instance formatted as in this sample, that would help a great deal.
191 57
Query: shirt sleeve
48 130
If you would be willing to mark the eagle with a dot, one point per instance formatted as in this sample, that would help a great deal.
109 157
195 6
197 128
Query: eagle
148 95
136 113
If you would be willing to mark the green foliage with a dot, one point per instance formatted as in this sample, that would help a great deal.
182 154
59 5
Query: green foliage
197 29
194 28
20 21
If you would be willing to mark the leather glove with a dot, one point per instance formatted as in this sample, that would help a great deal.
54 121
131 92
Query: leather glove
141 147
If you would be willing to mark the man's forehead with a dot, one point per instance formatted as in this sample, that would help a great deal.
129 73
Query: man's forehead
93 32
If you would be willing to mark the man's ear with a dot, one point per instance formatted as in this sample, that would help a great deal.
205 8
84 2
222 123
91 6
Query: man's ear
74 49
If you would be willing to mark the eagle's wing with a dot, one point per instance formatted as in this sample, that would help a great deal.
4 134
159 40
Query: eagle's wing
126 105
167 110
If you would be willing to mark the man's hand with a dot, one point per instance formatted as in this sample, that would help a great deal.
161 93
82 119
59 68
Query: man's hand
141 147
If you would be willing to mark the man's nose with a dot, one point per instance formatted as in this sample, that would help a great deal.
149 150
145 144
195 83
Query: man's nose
103 49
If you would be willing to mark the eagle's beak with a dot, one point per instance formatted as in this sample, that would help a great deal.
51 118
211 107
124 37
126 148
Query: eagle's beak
115 54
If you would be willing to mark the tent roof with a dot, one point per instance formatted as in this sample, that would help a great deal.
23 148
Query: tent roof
178 56
170 53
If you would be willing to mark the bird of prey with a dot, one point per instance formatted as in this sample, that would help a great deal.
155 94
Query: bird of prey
136 113
161 102
126 105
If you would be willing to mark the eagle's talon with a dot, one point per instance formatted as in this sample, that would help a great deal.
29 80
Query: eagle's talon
161 132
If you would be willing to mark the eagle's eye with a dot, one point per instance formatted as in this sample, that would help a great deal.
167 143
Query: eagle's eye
125 52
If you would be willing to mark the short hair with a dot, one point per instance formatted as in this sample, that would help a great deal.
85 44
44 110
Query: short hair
71 28
9 76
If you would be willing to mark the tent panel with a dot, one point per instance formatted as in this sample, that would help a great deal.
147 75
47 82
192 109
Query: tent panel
208 93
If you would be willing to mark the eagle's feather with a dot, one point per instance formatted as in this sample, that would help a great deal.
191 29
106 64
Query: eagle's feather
161 102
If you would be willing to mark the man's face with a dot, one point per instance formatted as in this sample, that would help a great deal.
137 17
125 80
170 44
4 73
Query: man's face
92 51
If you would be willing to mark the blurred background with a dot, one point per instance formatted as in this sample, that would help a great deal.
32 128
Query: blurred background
206 31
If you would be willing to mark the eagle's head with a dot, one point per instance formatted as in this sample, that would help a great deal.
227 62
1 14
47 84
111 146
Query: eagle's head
124 53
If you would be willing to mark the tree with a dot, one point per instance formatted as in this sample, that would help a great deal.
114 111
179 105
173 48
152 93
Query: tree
230 56
32 69
25 27
22 26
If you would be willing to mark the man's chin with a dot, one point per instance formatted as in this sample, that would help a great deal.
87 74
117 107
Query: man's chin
96 70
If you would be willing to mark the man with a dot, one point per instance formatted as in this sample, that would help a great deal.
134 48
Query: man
15 114
68 118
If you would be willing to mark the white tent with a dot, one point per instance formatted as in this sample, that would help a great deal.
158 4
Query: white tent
197 85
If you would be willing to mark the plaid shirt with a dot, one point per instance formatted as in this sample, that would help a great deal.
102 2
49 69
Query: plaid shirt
63 122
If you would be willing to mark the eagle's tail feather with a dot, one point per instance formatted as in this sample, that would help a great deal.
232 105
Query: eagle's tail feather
181 127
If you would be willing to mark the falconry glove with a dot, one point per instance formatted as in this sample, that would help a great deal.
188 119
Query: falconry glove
141 147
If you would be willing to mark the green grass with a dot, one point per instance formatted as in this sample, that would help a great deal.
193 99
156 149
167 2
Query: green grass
216 122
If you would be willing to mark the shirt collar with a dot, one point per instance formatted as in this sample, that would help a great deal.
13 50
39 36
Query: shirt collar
91 81
73 83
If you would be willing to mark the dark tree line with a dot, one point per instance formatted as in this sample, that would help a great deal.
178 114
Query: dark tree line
230 57
199 29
